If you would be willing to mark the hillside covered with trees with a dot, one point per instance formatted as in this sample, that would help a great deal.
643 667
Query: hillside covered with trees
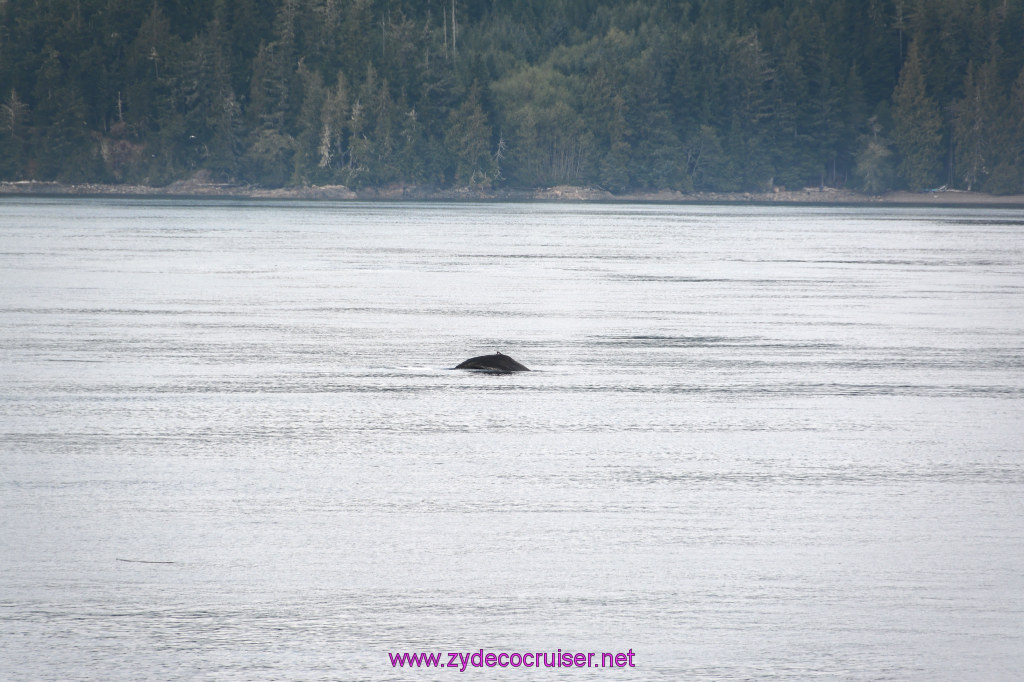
690 95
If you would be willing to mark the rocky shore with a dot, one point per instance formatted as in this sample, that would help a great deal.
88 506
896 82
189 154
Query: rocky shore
200 187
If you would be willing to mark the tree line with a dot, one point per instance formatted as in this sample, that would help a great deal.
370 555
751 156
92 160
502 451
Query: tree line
690 95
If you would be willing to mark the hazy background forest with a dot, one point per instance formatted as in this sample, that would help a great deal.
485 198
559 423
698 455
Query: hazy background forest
720 95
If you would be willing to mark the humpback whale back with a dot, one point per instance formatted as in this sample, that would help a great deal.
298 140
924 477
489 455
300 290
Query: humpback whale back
493 363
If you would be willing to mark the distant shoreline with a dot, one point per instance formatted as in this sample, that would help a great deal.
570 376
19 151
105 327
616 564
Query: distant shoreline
199 189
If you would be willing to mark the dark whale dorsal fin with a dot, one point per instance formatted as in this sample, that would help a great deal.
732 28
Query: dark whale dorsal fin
494 363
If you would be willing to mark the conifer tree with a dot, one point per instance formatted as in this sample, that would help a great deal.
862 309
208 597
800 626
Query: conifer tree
309 134
1007 176
468 140
916 125
13 126
976 125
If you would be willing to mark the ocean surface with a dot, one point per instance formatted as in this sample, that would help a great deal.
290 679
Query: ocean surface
759 442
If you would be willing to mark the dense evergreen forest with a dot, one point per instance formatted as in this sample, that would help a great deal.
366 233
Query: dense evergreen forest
721 95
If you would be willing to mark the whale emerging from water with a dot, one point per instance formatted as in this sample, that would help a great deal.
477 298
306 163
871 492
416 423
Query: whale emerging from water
493 363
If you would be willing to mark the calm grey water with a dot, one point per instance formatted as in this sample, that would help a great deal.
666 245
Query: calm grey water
760 443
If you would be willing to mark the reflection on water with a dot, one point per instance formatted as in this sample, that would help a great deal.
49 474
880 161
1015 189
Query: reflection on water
759 441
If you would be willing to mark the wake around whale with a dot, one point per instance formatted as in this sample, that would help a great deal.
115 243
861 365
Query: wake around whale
493 363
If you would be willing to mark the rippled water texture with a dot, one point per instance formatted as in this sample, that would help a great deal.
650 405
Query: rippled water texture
759 442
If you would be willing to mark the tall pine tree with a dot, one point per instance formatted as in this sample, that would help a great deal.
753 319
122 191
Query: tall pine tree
916 125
